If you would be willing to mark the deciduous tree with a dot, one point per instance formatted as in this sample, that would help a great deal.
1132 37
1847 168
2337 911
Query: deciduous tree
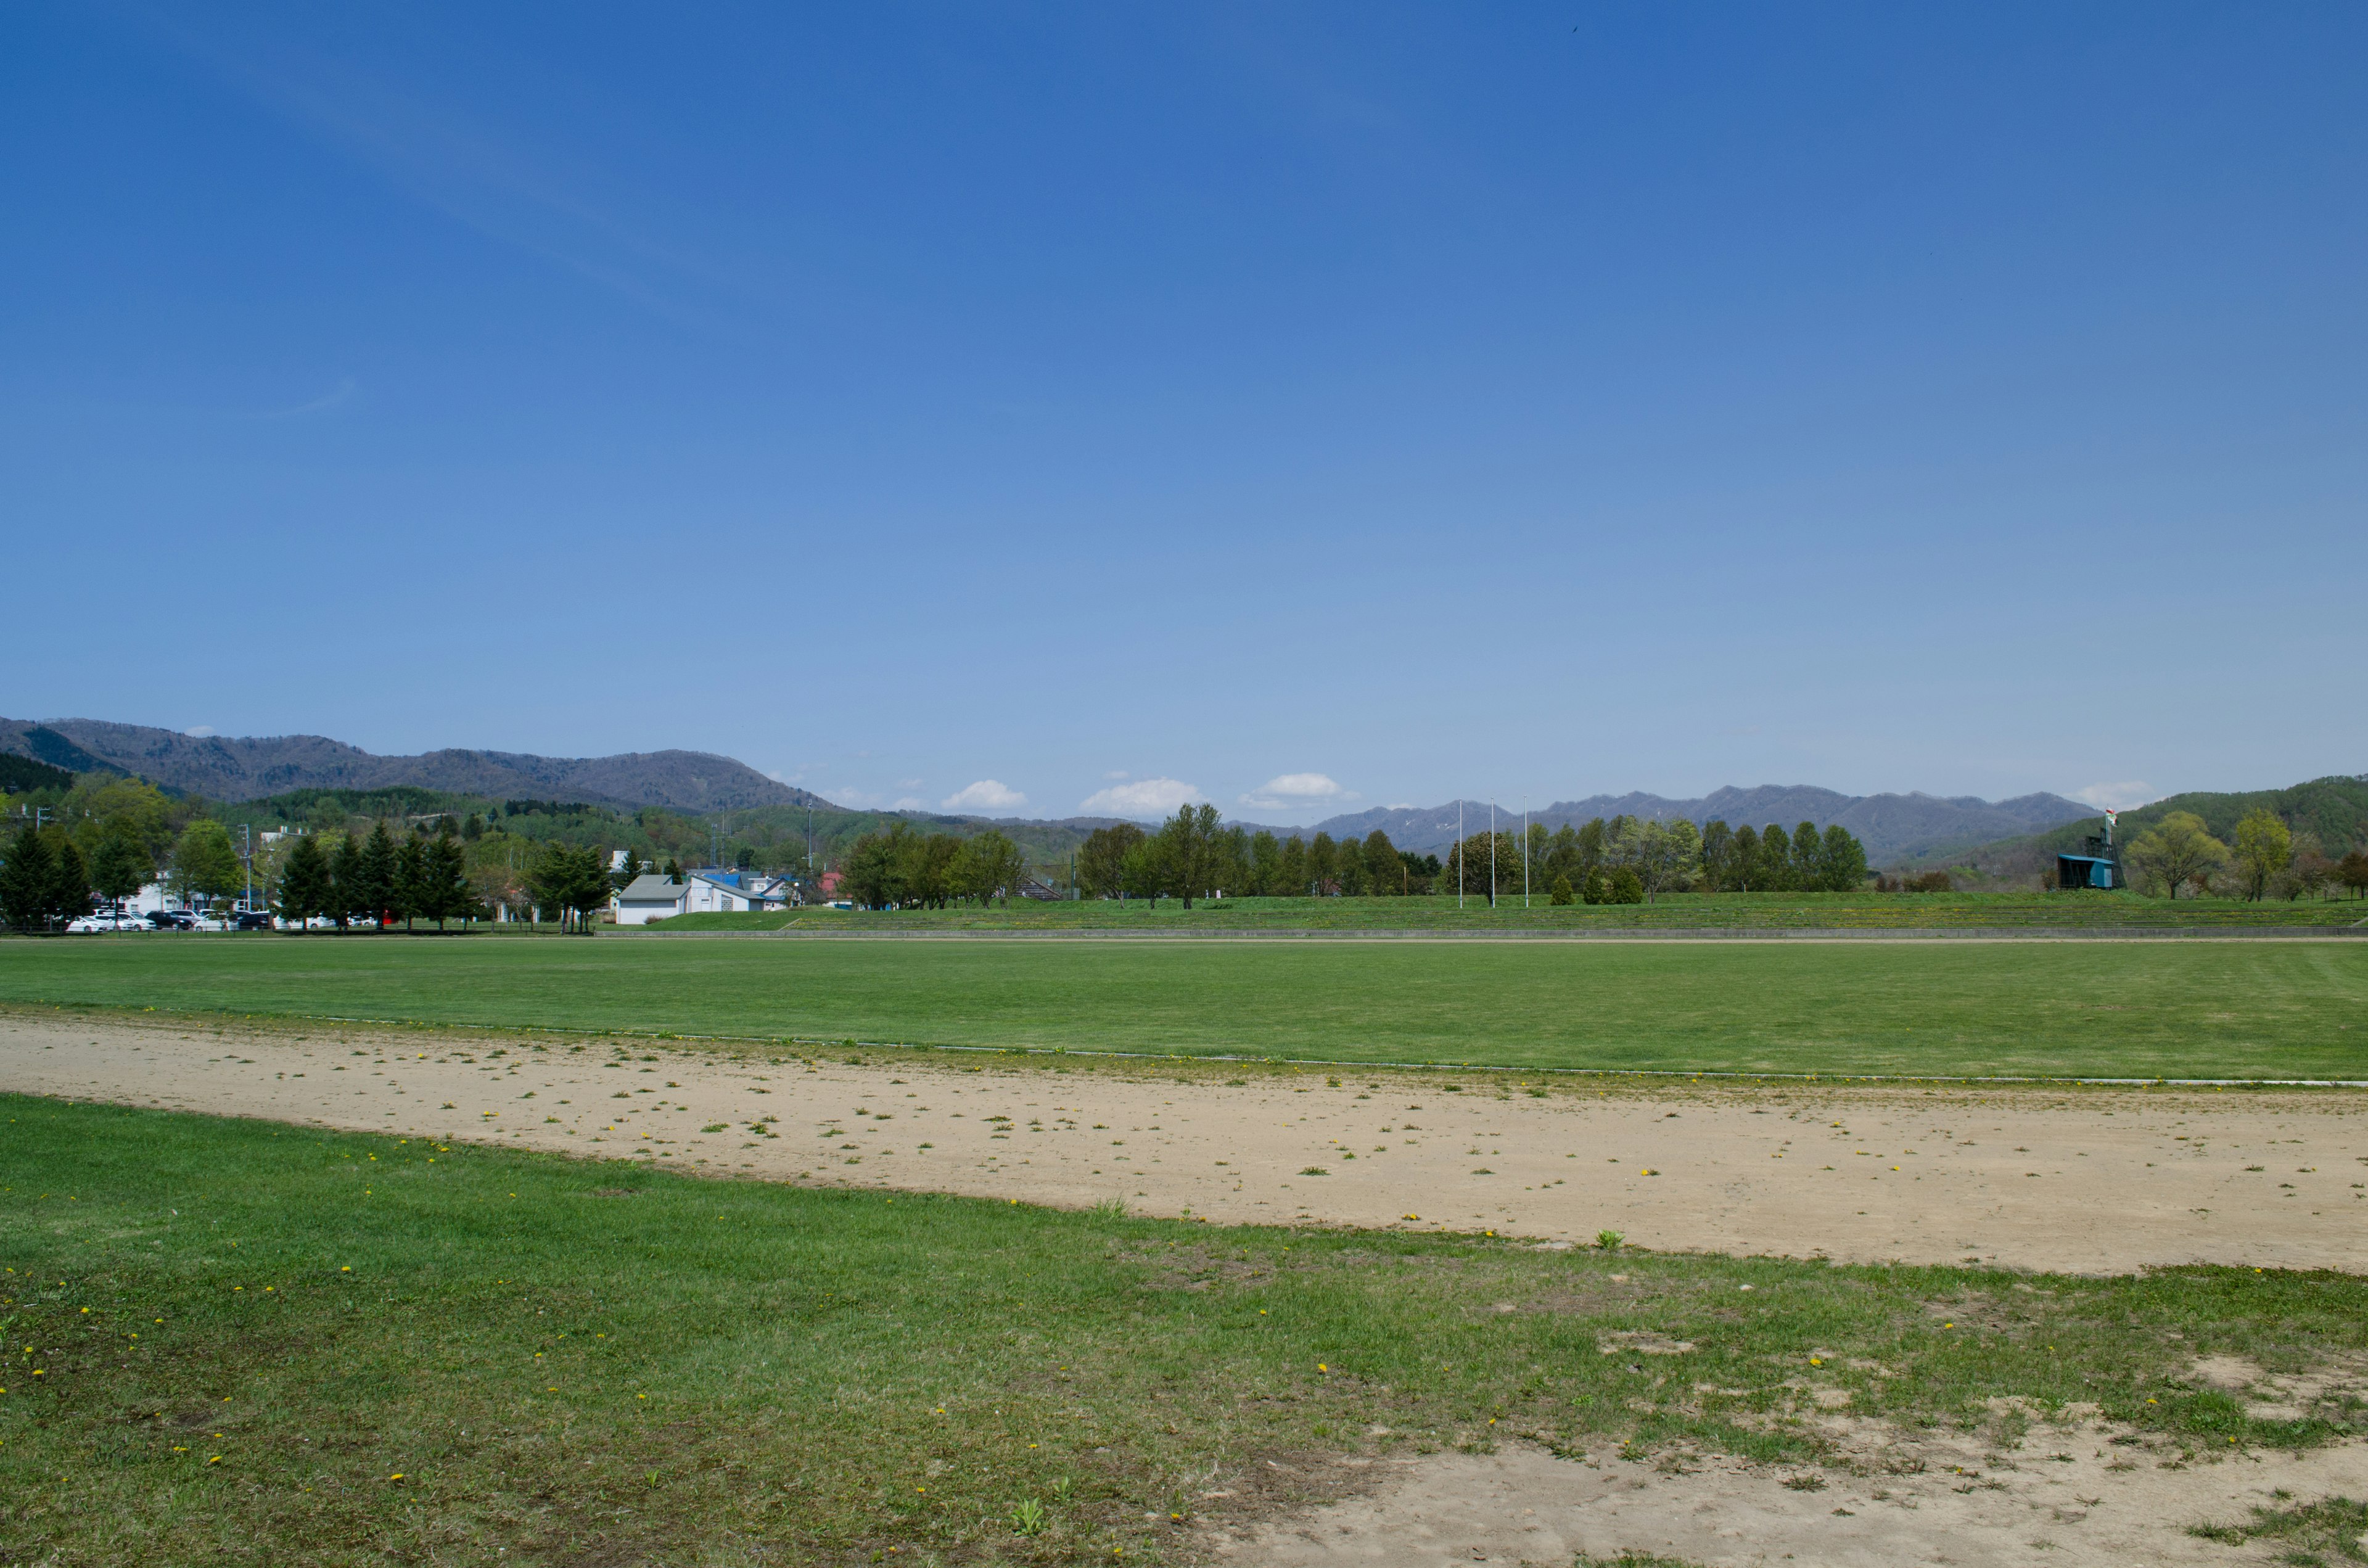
2174 852
204 863
2264 846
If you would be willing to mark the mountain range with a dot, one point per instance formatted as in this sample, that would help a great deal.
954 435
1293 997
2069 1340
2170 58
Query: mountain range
246 769
1893 827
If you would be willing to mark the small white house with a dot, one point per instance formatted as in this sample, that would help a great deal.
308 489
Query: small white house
648 898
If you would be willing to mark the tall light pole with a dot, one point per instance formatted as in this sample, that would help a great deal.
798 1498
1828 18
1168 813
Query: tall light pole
1525 852
1492 856
1456 855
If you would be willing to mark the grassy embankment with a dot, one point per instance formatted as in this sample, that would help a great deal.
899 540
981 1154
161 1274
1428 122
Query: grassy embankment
228 1339
1678 913
2232 1009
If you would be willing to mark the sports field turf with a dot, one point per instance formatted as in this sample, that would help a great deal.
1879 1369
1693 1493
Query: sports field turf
231 1340
2246 1009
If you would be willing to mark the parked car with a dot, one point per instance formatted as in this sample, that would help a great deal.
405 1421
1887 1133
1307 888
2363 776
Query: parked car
172 920
91 923
251 920
128 921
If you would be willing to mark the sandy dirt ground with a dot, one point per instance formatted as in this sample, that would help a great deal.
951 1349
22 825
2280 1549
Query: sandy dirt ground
2080 1495
2093 1180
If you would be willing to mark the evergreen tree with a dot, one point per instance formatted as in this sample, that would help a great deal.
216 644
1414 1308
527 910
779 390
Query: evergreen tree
69 880
1596 888
375 883
25 881
1775 858
449 896
1562 894
120 867
411 890
305 887
1626 887
346 900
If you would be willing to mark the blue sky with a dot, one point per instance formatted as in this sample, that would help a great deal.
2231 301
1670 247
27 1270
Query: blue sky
1310 406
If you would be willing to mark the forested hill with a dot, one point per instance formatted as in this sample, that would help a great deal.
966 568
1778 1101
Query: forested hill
245 769
1891 826
2332 811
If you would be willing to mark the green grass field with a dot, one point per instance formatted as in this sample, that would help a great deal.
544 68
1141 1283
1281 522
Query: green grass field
2137 1010
231 1340
1679 911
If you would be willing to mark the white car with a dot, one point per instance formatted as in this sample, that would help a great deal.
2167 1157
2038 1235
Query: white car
130 922
92 923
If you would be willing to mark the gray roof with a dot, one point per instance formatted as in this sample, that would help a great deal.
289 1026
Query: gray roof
647 889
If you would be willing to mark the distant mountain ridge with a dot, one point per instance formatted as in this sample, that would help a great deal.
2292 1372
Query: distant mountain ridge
1891 826
226 768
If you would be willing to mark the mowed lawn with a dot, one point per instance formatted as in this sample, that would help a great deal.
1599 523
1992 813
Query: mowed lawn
2126 1009
234 1340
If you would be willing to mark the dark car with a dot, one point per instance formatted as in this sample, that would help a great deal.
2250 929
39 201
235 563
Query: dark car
172 920
251 920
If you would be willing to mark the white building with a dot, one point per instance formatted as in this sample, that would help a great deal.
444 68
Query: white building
649 898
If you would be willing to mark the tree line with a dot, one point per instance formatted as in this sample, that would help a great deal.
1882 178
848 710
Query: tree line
376 882
1194 855
897 866
54 875
2267 858
1628 859
1622 860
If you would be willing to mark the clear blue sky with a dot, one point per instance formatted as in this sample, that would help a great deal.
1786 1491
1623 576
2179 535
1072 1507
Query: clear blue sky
1428 400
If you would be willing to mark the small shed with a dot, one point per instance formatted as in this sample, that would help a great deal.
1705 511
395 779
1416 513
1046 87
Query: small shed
650 897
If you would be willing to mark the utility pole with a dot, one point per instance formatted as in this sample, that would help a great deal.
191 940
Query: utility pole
1458 856
247 855
1525 852
1492 855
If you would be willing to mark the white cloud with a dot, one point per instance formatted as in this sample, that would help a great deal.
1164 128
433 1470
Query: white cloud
909 803
986 795
1143 798
1292 790
2120 797
1399 806
1115 773
199 732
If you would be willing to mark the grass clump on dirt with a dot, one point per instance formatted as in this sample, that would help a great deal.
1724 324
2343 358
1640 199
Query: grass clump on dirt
2133 1010
231 1338
2316 1535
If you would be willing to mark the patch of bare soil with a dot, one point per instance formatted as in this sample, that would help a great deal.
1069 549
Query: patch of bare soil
2082 1495
2086 1180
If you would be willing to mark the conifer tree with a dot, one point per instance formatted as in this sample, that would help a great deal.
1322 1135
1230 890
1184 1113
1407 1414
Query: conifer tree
25 881
375 883
305 884
448 893
69 881
410 891
345 901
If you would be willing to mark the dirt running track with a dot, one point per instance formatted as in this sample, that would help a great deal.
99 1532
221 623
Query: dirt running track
2094 1180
